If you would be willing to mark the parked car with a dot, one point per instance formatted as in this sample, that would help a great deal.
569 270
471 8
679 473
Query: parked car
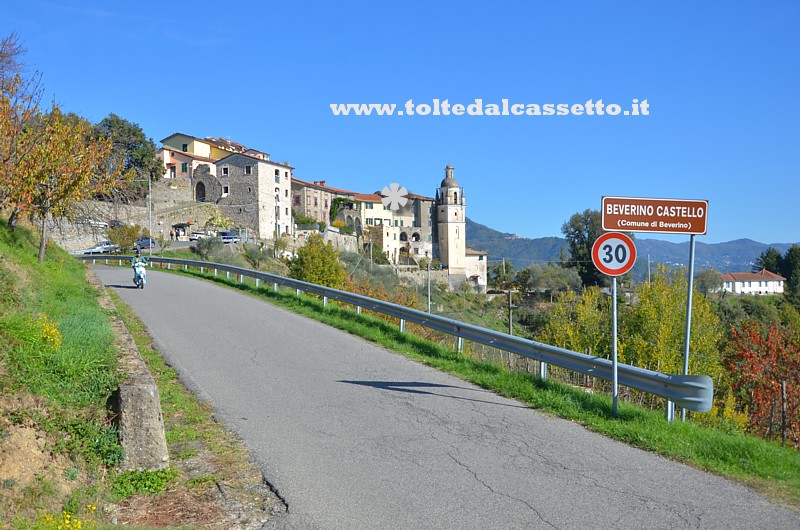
229 237
145 242
103 247
115 223
194 236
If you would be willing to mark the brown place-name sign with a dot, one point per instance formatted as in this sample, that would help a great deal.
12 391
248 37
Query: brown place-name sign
666 216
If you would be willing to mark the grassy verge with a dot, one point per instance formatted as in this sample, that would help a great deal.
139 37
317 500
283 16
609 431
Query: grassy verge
57 369
764 466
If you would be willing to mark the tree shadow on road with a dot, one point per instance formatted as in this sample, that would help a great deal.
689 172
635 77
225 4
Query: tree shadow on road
414 387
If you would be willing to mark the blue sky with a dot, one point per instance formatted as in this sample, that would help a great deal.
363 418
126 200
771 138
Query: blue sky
721 78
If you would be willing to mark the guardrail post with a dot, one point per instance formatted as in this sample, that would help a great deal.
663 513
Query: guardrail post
358 309
185 267
215 272
120 263
227 274
201 269
669 412
169 266
241 278
402 325
460 344
298 292
543 370
324 301
275 286
256 283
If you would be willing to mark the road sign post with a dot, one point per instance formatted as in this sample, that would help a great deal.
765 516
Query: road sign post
614 254
665 216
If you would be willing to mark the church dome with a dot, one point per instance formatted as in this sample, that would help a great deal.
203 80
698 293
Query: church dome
449 180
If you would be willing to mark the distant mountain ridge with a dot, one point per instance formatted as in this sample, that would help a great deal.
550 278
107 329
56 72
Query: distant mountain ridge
731 256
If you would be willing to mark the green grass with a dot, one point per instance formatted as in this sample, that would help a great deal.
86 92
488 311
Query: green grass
765 466
56 343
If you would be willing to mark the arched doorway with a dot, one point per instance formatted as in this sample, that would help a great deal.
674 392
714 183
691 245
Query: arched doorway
200 192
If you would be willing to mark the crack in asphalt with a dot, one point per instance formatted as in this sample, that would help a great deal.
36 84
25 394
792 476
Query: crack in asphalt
500 493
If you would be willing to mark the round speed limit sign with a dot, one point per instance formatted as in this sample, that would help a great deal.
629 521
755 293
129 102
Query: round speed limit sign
614 254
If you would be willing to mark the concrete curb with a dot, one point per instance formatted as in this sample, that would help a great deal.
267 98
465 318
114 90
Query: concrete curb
140 420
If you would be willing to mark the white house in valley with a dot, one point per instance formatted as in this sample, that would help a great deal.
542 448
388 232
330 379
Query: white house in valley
762 282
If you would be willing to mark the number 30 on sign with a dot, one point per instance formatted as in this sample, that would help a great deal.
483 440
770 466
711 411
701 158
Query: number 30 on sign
614 254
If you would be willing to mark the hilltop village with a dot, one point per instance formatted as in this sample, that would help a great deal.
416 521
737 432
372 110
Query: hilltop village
262 197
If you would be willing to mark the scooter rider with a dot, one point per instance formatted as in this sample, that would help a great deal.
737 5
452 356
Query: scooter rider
138 259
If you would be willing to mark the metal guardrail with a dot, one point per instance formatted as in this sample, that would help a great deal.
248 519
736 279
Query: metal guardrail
692 392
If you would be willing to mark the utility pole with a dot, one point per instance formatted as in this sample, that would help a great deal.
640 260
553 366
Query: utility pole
429 286
510 314
150 212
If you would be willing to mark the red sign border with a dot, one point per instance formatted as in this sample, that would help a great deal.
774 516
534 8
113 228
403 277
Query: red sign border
638 229
598 262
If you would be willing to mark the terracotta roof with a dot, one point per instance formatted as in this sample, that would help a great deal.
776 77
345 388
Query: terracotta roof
256 159
226 144
472 252
323 187
180 134
368 197
419 197
762 275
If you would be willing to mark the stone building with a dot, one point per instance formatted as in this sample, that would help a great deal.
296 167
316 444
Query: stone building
314 200
251 190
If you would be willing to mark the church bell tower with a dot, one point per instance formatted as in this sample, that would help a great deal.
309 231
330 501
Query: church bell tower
451 234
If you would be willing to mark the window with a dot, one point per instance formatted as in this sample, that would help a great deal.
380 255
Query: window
368 206
286 175
277 179
401 222
297 200
249 190
315 201
184 167
225 191
248 170
185 148
285 193
287 211
480 258
225 172
369 220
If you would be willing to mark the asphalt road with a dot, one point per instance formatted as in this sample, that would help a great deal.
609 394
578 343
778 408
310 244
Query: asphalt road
353 436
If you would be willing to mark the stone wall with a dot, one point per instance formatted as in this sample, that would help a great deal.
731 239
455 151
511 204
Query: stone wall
342 242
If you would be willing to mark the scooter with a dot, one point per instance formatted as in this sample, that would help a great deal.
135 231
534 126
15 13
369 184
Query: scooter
140 274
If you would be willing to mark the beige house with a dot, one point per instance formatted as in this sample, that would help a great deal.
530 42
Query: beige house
477 269
182 154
